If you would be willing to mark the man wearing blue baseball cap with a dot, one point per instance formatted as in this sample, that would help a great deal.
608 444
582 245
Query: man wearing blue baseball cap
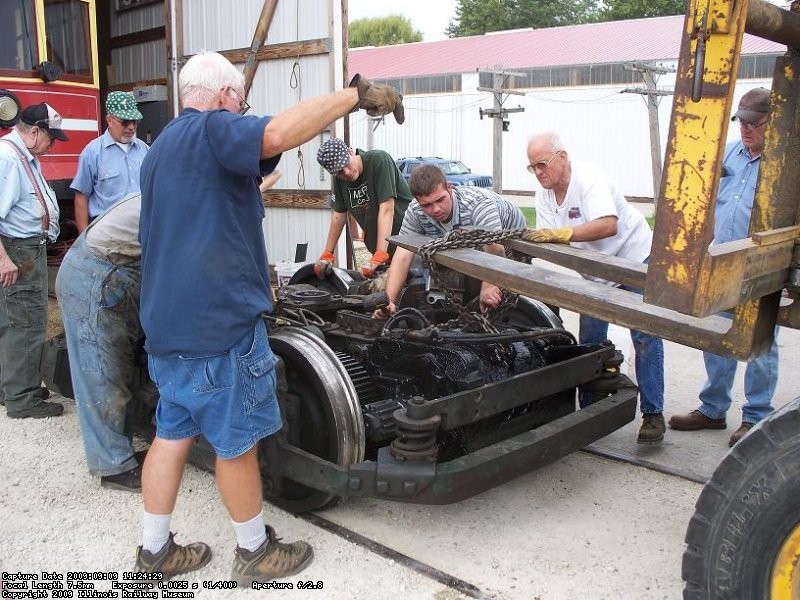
108 169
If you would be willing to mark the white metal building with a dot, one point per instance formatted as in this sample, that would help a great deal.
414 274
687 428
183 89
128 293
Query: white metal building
573 78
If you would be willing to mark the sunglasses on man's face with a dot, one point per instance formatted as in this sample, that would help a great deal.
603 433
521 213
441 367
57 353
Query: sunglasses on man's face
125 122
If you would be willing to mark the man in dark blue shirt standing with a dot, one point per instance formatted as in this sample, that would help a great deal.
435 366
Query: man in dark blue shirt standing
205 285
737 190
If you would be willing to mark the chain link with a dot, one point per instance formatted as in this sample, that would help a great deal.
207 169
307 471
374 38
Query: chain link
467 238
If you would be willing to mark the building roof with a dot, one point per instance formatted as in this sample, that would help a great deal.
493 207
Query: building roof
652 39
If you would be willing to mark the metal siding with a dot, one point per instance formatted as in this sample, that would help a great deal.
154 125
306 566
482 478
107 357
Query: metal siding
141 62
146 17
215 25
284 228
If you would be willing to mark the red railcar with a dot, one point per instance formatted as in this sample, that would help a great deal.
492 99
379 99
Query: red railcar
48 53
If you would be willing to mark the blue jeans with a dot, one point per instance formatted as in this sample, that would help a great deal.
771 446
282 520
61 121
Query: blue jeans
99 305
760 380
230 398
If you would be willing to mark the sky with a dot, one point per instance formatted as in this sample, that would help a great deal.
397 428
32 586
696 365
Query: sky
431 17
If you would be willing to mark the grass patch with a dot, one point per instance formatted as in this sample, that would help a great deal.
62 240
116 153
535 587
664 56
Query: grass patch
651 221
530 215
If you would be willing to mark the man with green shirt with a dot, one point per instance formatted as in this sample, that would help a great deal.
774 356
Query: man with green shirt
367 185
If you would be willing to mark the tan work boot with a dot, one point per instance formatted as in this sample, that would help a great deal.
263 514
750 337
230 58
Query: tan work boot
652 429
695 420
272 560
173 559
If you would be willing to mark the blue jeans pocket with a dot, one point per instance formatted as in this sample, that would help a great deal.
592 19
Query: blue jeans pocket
260 387
208 373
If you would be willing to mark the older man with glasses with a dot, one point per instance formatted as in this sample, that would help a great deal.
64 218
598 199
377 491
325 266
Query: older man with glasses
108 168
28 221
580 206
732 222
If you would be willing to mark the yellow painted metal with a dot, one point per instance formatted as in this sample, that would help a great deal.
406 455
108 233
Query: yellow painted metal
785 580
712 40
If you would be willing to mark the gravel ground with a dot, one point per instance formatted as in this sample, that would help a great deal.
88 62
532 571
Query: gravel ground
57 518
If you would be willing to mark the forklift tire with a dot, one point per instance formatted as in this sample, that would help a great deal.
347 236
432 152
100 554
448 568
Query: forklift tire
743 540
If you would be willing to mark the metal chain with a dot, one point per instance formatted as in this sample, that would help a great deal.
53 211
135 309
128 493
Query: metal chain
467 238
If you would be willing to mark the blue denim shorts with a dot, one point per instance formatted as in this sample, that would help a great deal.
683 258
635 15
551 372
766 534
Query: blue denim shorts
229 398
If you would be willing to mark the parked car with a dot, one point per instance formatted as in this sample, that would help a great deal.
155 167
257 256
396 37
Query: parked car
454 170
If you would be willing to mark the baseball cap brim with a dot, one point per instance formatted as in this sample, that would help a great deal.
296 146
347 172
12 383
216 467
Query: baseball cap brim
749 116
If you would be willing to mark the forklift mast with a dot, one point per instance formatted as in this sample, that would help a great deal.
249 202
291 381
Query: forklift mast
688 283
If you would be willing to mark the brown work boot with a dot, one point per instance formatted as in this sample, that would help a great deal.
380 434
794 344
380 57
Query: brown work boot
652 429
272 560
740 433
695 420
173 559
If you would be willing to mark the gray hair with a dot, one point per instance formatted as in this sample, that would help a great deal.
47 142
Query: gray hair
204 75
23 127
551 138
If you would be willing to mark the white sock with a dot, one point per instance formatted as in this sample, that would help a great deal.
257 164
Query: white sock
155 531
251 534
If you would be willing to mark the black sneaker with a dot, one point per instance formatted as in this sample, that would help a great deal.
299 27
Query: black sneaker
40 410
272 560
173 559
127 481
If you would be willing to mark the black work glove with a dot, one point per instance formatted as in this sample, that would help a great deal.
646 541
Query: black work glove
379 99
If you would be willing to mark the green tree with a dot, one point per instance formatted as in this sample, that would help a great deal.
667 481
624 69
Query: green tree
618 10
383 31
476 17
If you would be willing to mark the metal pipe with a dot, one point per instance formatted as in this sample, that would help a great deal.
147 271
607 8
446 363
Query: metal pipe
770 22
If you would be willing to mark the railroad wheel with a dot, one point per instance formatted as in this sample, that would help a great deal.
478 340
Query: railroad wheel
744 538
323 415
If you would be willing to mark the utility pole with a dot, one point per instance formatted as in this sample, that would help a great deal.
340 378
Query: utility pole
499 114
650 75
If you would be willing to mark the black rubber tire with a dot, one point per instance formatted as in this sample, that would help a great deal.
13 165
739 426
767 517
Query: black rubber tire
745 512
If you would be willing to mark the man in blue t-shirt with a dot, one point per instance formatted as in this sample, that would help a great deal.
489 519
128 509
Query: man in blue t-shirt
205 285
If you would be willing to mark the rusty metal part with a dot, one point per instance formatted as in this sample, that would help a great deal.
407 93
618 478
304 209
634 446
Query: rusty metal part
767 21
463 238
683 274
443 483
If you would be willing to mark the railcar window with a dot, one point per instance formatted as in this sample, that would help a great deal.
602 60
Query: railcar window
69 42
18 50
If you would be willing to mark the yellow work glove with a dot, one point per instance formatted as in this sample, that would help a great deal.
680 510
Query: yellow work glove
378 99
377 259
324 266
562 235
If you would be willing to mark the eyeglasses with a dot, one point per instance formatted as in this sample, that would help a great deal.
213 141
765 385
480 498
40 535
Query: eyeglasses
243 105
125 122
542 164
750 126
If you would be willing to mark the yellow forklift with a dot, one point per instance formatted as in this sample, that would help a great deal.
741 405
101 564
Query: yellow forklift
743 541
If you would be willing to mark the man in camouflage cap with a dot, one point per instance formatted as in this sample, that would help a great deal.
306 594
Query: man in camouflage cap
108 169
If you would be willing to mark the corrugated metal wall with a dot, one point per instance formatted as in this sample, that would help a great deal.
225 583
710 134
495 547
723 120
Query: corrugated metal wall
279 84
139 62
597 124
